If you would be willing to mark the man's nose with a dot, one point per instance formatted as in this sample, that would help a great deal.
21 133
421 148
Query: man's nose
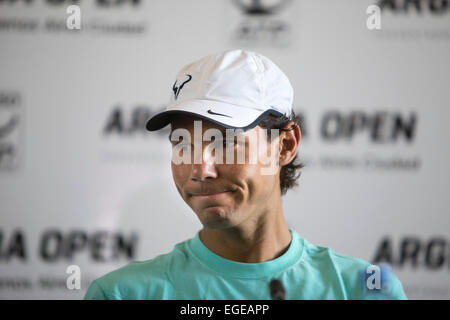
207 167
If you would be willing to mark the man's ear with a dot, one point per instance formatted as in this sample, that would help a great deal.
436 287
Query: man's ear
290 137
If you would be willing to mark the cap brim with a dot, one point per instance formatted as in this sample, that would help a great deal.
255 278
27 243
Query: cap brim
223 114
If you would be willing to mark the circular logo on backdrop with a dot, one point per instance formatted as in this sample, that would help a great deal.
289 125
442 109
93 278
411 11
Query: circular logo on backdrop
261 6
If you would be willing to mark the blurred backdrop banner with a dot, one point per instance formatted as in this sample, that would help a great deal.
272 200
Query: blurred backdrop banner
82 183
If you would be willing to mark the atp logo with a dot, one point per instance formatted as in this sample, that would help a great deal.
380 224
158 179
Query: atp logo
176 90
265 22
260 7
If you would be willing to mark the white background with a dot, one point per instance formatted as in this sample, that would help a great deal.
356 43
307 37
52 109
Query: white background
70 175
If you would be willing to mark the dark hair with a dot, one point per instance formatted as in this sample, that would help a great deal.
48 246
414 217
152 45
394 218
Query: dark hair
290 172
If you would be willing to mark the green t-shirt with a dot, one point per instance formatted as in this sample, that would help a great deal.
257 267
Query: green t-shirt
192 271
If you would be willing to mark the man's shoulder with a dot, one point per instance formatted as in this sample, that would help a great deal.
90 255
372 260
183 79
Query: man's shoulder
351 272
137 277
317 254
154 268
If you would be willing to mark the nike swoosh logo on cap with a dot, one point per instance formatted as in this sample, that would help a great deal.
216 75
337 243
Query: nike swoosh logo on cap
219 114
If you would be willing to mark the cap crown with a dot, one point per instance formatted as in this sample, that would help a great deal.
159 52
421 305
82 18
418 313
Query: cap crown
237 77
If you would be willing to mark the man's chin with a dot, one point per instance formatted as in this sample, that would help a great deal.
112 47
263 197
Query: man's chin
215 218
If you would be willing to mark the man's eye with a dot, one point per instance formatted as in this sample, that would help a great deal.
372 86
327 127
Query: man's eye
182 147
228 144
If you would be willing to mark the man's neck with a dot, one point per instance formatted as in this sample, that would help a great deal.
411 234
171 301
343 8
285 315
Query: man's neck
254 241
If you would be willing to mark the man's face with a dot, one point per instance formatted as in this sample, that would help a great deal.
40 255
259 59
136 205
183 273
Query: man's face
225 194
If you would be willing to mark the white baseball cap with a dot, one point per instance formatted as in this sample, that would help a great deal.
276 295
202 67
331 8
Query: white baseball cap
235 89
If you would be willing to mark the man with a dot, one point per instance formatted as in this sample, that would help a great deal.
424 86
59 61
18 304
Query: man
232 172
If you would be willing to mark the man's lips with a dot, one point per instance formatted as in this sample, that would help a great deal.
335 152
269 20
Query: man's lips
207 194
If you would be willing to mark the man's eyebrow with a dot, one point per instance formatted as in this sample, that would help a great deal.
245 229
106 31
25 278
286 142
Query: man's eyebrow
223 131
234 132
170 138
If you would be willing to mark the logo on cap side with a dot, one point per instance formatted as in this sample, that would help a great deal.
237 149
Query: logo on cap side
176 90
219 114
